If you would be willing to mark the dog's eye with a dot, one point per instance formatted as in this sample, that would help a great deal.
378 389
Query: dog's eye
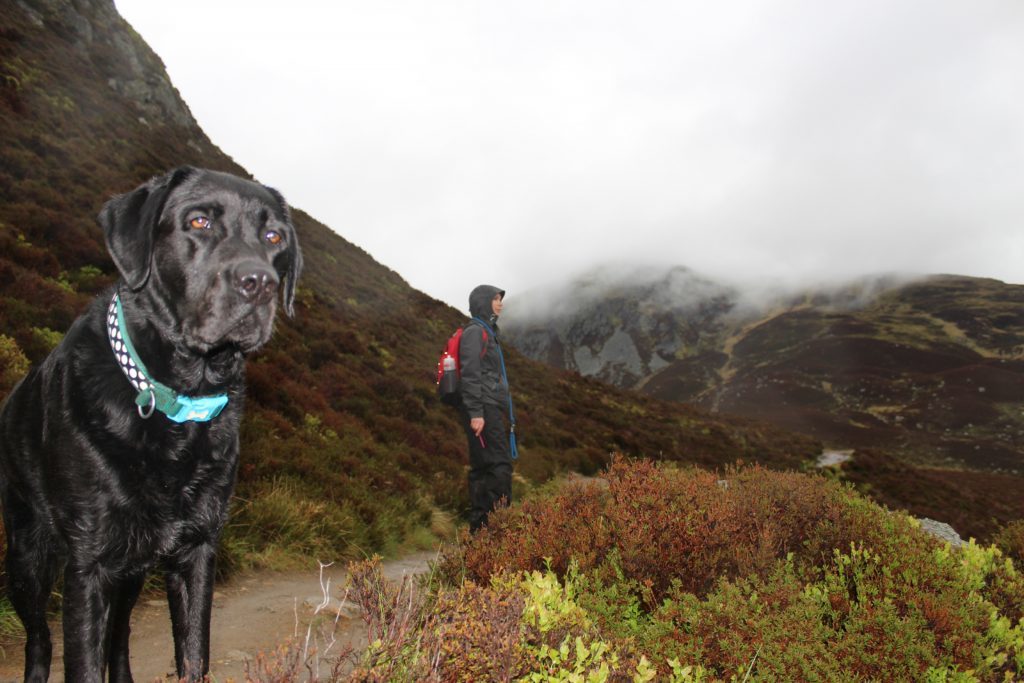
200 223
273 237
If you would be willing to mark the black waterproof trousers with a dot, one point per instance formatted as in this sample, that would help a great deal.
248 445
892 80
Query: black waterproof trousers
490 465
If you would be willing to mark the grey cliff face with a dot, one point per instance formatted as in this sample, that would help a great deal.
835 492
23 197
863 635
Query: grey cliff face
95 31
621 330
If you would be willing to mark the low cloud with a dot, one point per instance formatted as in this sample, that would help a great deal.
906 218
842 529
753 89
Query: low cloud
684 291
523 143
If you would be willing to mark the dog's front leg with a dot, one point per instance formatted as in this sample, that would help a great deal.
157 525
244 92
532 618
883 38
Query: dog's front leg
190 596
122 602
86 615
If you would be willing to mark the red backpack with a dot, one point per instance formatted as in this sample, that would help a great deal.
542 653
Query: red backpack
449 369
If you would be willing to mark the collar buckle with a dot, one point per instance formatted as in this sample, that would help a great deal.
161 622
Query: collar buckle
146 414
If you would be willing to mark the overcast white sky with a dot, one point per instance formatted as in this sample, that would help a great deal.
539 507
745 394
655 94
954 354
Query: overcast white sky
517 142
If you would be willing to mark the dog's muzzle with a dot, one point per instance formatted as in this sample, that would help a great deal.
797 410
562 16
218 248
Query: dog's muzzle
255 282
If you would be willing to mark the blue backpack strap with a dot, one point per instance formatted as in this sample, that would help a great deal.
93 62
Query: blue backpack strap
504 375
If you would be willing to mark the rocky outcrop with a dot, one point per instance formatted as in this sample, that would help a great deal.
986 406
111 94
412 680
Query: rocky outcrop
94 30
942 531
620 327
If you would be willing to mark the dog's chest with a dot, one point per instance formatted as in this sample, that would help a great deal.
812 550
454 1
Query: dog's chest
164 498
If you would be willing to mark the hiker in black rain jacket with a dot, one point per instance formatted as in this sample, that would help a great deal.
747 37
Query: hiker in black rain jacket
485 407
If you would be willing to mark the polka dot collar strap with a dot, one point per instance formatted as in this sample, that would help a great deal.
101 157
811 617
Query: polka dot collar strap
152 394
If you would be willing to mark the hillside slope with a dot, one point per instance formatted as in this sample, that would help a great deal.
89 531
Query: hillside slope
931 369
345 448
921 377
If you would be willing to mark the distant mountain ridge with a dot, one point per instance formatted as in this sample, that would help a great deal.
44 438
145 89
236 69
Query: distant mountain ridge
621 326
930 368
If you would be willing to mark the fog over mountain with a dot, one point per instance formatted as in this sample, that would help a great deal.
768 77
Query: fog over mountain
927 367
625 322
682 290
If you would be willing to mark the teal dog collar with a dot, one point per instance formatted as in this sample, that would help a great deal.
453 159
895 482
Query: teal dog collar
152 394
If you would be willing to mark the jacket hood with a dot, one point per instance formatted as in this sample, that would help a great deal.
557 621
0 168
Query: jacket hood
480 302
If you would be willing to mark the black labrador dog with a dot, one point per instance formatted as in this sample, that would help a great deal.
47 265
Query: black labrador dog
118 453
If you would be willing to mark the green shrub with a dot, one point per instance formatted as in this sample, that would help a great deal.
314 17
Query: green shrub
793 572
891 604
13 364
1011 540
46 339
10 624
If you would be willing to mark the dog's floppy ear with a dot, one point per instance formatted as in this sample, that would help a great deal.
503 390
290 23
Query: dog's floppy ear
290 261
129 223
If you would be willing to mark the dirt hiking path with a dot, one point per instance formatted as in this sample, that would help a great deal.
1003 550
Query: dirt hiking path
252 613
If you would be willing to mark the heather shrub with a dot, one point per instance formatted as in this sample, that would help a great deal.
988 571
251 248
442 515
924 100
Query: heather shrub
13 364
525 627
393 615
535 627
676 525
1011 540
863 620
884 602
1004 588
614 602
477 635
851 625
668 524
768 624
550 530
796 573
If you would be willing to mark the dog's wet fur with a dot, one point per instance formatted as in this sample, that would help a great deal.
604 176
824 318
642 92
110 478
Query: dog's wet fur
92 490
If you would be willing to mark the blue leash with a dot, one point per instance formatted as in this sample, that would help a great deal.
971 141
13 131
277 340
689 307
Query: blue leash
504 376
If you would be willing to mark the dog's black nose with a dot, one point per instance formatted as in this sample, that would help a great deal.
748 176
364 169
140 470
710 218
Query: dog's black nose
256 282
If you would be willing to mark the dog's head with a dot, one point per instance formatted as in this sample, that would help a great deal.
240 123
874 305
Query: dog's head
212 248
